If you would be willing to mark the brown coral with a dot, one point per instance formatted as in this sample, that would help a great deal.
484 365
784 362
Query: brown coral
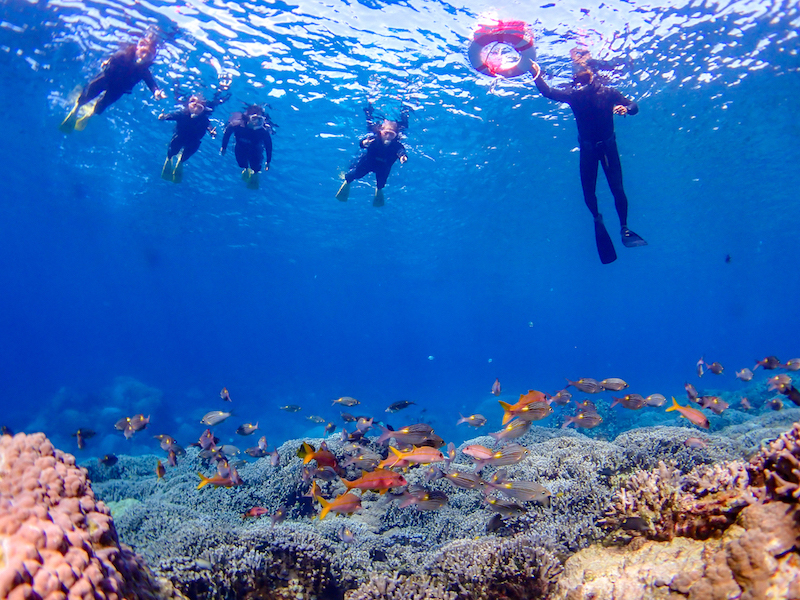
663 503
776 468
56 541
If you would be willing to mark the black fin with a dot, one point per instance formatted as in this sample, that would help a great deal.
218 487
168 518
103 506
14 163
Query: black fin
605 247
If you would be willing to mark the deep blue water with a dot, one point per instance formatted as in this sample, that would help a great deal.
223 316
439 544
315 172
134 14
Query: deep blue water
482 263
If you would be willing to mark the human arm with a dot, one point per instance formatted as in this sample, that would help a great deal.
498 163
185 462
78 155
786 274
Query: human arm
624 106
150 81
225 139
546 91
267 141
367 140
173 116
401 153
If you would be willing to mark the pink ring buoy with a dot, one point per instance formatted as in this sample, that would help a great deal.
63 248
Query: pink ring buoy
516 34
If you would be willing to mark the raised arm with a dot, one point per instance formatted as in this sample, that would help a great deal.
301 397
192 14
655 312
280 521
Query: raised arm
546 91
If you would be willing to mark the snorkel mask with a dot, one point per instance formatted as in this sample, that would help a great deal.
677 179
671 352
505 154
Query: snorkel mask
145 51
388 131
196 106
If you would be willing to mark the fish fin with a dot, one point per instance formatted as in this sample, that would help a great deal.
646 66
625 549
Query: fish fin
385 435
326 506
203 481
381 492
567 422
675 405
507 408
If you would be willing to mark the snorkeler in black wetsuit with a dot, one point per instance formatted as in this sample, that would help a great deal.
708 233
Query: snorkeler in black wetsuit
383 150
252 129
120 73
191 124
594 107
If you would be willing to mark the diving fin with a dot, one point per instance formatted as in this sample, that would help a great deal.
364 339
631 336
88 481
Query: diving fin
252 183
68 124
343 192
378 200
166 170
86 114
631 240
177 174
605 247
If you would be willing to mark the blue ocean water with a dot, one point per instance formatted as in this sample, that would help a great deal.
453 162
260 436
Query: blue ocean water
125 293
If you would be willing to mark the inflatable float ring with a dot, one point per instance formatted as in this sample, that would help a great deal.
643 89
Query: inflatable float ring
516 34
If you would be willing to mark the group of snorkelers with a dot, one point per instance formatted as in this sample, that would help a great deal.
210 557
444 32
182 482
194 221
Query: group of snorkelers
592 103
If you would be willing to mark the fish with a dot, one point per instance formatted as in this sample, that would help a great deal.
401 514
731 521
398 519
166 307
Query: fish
5 430
260 450
472 420
246 429
411 435
496 389
779 382
316 419
423 455
365 462
495 523
477 451
218 480
655 400
586 420
586 385
346 504
346 401
291 408
207 440
561 398
700 364
274 458
713 403
314 491
774 404
172 458
161 470
122 424
422 499
745 374
792 364
463 479
229 451
614 384
509 454
363 424
323 473
631 401
715 368
81 436
348 418
165 441
323 456
526 491
215 417
530 407
379 480
256 511
516 428
330 428
695 442
506 508
691 391
451 453
744 403
346 535
400 405
139 422
769 363
278 516
635 524
225 395
586 406
109 460
692 414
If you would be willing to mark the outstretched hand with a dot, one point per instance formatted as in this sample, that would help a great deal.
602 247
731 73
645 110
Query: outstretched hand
160 95
621 110
536 70
162 117
403 159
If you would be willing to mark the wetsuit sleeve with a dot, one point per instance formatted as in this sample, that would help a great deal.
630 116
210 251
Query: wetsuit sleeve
267 139
631 105
551 93
226 137
401 150
148 78
173 116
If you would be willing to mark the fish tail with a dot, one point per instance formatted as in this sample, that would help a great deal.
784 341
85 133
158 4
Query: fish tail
203 481
675 405
326 506
567 422
463 419
385 435
615 402
507 416
398 456
347 483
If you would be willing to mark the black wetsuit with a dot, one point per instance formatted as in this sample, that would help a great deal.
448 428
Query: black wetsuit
249 143
120 73
378 159
189 132
593 107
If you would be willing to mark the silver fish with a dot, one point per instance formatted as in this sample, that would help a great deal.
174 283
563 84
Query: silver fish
214 417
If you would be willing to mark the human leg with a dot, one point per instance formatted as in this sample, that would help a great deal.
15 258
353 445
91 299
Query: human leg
612 167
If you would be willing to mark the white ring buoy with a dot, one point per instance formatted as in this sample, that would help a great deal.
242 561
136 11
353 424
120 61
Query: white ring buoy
516 34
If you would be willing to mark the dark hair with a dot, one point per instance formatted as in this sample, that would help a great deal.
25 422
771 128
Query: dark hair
254 109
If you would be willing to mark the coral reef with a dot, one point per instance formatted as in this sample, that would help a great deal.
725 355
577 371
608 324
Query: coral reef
56 541
777 467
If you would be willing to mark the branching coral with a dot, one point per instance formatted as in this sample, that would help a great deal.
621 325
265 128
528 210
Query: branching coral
777 467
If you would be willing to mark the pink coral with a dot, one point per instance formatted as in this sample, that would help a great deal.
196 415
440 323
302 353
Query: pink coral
56 541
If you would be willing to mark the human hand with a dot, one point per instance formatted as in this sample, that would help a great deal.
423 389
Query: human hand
266 167
212 132
620 110
368 141
160 95
535 68
162 117
403 159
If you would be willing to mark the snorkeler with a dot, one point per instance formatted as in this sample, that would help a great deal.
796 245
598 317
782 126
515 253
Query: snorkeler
594 107
119 74
253 130
191 124
383 149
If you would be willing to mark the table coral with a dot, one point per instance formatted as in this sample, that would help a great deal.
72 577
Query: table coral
56 541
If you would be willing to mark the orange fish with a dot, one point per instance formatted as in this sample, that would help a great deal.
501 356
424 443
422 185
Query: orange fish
217 480
161 470
347 504
694 415
256 511
323 456
424 455
379 480
525 406
477 451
